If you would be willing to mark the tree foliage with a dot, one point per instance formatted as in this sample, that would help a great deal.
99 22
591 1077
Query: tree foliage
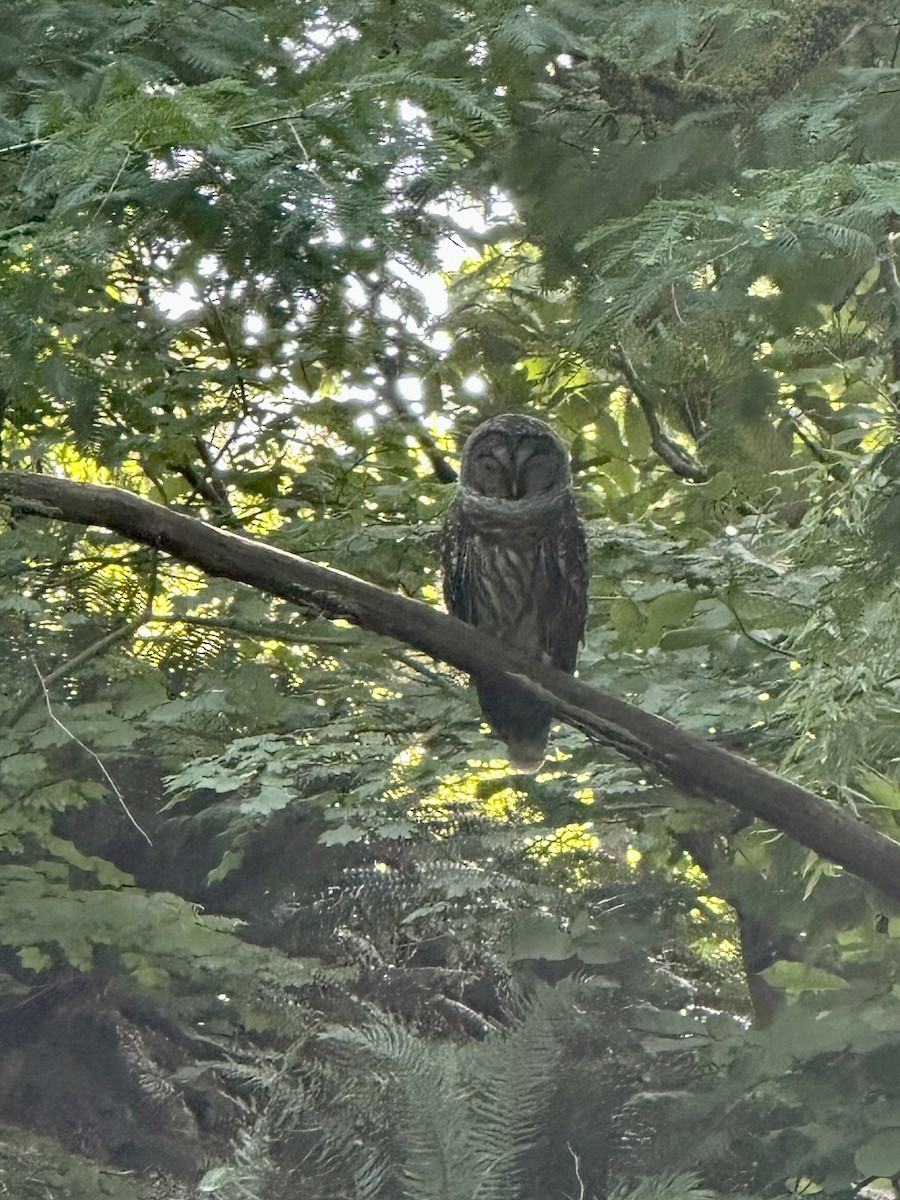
276 919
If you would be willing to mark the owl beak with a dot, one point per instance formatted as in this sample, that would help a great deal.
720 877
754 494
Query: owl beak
515 489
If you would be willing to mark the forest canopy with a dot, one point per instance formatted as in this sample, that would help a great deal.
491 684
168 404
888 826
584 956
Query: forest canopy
278 919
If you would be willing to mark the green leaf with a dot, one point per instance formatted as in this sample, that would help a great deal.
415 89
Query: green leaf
880 1155
342 835
609 437
796 978
636 431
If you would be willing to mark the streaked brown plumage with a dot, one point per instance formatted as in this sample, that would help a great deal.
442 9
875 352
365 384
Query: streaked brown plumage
515 565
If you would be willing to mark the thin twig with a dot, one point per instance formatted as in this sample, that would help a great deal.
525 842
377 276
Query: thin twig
391 370
298 140
269 631
758 641
208 487
580 1195
70 665
21 147
392 367
291 116
815 450
112 187
78 742
427 673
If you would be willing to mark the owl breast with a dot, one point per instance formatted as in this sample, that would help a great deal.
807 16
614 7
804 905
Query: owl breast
507 581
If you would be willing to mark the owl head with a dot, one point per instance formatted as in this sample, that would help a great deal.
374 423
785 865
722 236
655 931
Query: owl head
512 457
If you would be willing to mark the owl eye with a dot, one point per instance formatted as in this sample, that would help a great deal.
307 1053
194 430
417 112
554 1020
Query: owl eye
539 474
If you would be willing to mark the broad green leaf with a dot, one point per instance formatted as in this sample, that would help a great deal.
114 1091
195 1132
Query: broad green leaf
797 977
880 1155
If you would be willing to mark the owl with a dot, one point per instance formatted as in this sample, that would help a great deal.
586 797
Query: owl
515 565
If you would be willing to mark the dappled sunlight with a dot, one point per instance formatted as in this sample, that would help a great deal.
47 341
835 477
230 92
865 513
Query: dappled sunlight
275 910
484 792
571 840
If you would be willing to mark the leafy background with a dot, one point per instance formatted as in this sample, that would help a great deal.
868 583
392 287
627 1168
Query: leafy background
276 919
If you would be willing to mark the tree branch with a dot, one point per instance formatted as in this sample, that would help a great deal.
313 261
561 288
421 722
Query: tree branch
672 455
691 763
891 284
391 369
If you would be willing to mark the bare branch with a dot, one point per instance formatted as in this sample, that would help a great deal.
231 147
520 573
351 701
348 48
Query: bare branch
580 1181
891 284
673 456
78 742
70 665
694 765
22 147
392 369
269 631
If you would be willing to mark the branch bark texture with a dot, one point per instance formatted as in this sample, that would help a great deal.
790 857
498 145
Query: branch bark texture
692 764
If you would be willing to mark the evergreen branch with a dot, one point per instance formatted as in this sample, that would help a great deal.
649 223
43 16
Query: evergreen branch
815 30
693 764
482 239
672 455
647 94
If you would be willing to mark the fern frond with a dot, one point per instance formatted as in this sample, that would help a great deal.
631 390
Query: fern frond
664 1187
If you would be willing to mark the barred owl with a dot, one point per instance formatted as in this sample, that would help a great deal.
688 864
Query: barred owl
515 565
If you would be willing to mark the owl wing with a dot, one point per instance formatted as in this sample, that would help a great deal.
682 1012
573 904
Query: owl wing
566 613
458 595
521 721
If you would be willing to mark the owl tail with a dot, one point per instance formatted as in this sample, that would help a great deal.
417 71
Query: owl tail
527 757
519 720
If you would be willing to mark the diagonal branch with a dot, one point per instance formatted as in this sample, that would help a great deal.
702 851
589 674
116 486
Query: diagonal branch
671 454
391 370
692 764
